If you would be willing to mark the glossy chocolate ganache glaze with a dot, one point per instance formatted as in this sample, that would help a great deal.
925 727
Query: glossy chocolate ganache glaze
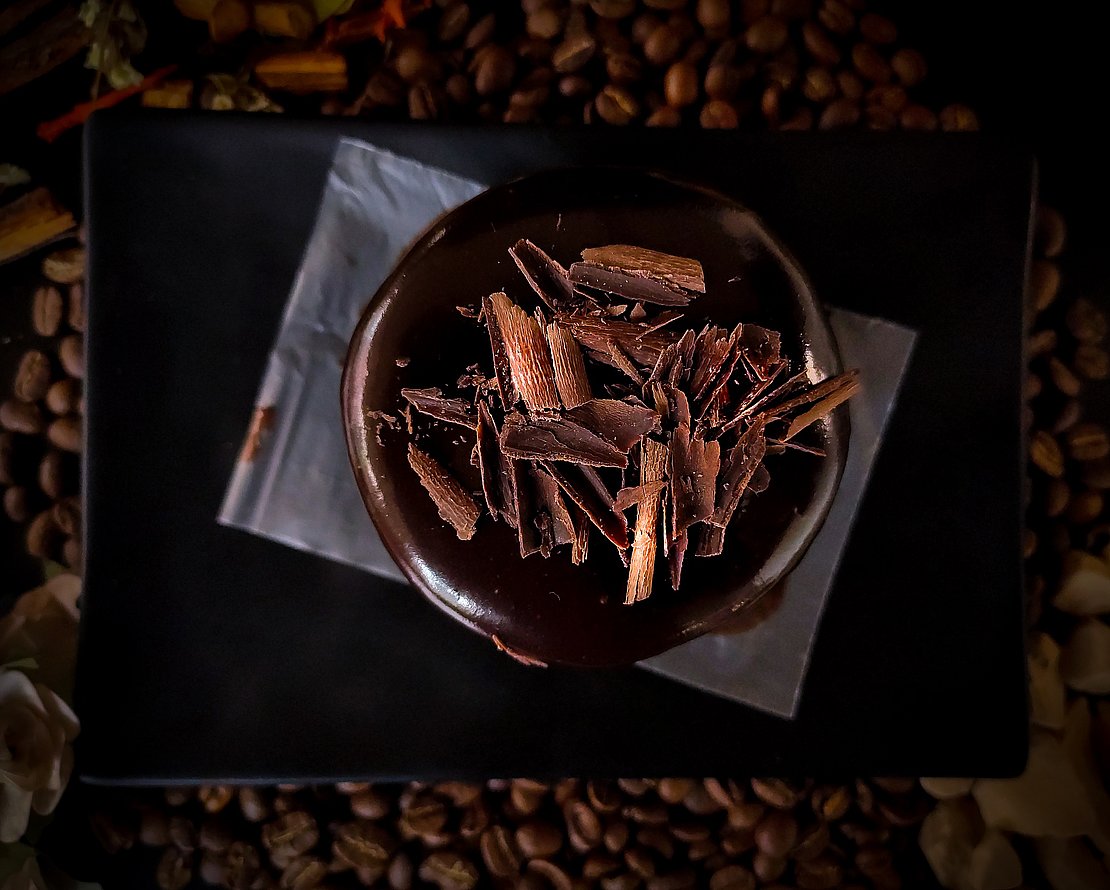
594 413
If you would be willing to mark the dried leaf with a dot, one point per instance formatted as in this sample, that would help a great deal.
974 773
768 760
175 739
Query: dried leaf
452 501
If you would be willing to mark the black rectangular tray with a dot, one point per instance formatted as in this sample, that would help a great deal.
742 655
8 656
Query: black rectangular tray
210 654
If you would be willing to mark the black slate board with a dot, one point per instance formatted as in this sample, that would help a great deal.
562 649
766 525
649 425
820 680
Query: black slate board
210 654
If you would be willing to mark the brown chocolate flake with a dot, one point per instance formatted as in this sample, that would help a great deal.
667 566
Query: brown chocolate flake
695 464
552 518
469 311
622 423
434 403
505 385
638 313
627 498
619 360
636 273
547 278
841 389
742 460
525 499
677 557
261 421
496 470
638 341
761 349
526 350
526 660
570 368
402 361
585 488
558 438
641 566
711 540
452 501
580 546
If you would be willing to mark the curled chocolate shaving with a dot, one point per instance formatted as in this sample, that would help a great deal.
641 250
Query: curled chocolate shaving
505 385
743 459
711 540
627 498
547 278
641 566
452 501
585 488
620 422
496 469
840 390
761 349
636 273
552 518
526 500
434 403
526 349
619 360
638 341
570 368
558 438
695 464
677 557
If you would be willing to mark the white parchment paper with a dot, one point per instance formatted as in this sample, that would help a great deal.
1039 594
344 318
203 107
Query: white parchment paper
299 489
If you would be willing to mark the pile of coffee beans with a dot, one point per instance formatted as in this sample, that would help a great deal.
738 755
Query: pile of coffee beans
41 417
665 834
778 64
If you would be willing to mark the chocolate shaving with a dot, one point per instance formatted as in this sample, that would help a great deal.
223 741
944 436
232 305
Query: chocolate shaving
636 273
547 278
638 341
469 311
452 501
580 546
552 518
558 438
847 385
761 349
761 480
619 422
627 498
677 557
586 489
622 362
526 500
736 472
638 313
711 540
526 349
641 566
496 469
570 368
505 385
433 402
695 464
520 657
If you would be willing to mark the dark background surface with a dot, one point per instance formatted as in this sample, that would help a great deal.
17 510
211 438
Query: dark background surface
249 660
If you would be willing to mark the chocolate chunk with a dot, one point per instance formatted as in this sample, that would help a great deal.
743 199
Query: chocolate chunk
452 501
558 438
619 422
638 341
585 488
496 469
547 278
736 472
570 368
638 274
526 350
433 402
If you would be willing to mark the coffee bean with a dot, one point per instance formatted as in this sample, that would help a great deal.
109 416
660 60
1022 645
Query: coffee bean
494 68
7 459
481 32
597 865
531 50
538 840
1057 495
1087 441
1096 473
753 10
702 851
735 843
776 834
812 842
918 117
722 81
639 862
1067 417
1062 378
726 794
778 793
646 813
1085 507
32 377
214 836
713 16
448 871
1046 455
768 868
574 86
658 840
877 29
672 791
746 816
452 22
870 64
43 536
851 86
616 105
682 879
664 117
958 117
399 875
71 352
54 476
623 68
252 804
1042 342
21 417
770 102
457 88
831 802
65 433
819 85
360 845
841 113
425 815
1050 233
67 515
573 53
1044 283
613 9
626 881
1092 362
662 46
837 17
244 865
583 826
616 836
879 118
63 396
718 114
65 266
1087 323
182 834
303 873
554 876
792 9
173 871
689 832
732 877
460 794
295 831
909 66
18 503
46 310
545 23
603 796
475 819
802 119
820 873
414 63
889 96
500 852
611 36
820 45
768 35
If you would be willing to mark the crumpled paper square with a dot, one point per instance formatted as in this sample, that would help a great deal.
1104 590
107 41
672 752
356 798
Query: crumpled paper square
299 489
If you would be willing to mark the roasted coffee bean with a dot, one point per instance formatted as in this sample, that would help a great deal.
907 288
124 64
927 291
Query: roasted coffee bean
71 352
500 852
768 868
1056 498
452 22
767 36
475 819
63 396
7 458
32 377
1042 342
212 870
425 815
746 815
481 32
625 881
1096 473
879 118
1087 323
448 871
713 15
895 784
303 873
662 46
831 802
732 877
1062 378
770 102
460 794
820 45
722 81
573 53
54 476
812 841
400 873
870 64
539 840
18 502
753 10
877 29
616 105
415 63
657 839
252 804
820 873
958 117
646 813
802 119
672 791
65 266
73 555
556 877
527 795
909 66
1085 507
702 851
182 834
699 801
47 310
174 871
1044 284
215 797
726 794
1092 362
717 114
360 845
494 68
850 84
545 23
603 796
640 862
735 842
889 96
65 433
244 866
841 113
214 836
1067 417
21 417
584 829
296 831
776 834
664 117
837 17
918 117
616 836
1087 441
792 9
689 832
623 68
682 879
819 85
1050 233
613 9
67 516
574 86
